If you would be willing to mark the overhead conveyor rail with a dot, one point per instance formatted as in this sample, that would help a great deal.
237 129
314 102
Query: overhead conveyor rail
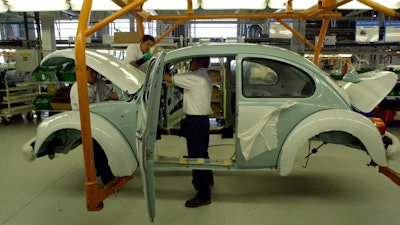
323 9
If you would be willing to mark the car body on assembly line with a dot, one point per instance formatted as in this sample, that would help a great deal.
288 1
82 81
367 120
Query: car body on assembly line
270 100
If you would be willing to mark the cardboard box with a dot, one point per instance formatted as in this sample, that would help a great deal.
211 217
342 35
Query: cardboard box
126 37
214 75
60 106
216 95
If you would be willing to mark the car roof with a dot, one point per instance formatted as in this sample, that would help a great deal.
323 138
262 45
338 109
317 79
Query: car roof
119 72
220 49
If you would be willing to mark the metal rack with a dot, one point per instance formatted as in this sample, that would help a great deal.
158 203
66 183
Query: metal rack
17 100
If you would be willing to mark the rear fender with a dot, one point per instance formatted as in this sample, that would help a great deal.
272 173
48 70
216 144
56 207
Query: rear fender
121 156
332 120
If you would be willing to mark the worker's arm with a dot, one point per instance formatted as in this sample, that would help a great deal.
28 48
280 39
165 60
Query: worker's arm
168 78
142 60
113 96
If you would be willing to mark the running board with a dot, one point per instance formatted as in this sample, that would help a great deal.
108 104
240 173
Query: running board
390 173
192 161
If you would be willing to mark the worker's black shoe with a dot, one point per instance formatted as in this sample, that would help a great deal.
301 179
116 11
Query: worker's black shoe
197 202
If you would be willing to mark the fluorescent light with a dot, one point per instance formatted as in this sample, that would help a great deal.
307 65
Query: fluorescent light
297 4
37 5
169 4
233 4
97 5
392 4
3 7
281 4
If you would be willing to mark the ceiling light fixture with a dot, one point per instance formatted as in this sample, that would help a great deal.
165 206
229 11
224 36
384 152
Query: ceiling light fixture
97 5
391 4
169 4
3 7
236 4
299 5
37 5
296 5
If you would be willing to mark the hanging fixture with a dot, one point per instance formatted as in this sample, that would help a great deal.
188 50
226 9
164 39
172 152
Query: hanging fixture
298 4
169 5
37 5
97 5
229 4
391 4
3 7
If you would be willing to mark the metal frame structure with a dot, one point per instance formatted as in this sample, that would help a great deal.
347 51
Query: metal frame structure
322 10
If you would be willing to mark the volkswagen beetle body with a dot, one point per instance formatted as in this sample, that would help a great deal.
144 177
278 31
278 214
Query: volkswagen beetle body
269 100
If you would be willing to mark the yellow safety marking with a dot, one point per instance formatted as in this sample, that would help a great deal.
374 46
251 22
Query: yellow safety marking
228 162
183 161
201 161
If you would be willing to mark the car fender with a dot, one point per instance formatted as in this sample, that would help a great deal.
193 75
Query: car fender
120 155
332 120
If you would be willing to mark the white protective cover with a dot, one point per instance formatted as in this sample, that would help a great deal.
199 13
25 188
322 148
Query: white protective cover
332 120
120 156
371 90
257 128
119 72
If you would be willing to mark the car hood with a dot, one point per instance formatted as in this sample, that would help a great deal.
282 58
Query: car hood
120 73
368 89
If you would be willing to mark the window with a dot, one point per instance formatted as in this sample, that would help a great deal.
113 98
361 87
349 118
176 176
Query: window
214 28
264 78
64 29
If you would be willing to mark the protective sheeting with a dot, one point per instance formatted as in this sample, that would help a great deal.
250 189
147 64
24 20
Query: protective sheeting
332 120
257 128
121 159
369 88
393 150
120 73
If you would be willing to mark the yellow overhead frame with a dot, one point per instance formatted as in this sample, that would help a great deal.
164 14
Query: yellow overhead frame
94 194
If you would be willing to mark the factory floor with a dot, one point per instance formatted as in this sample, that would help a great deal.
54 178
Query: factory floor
336 188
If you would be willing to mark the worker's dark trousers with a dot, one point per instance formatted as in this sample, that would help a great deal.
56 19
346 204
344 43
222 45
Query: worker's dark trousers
103 170
197 133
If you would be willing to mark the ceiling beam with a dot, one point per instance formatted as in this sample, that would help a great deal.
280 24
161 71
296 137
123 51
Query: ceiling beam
323 6
285 15
383 9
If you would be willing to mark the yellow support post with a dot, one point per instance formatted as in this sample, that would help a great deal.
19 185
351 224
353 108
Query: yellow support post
381 8
91 184
321 38
297 34
94 195
323 7
179 22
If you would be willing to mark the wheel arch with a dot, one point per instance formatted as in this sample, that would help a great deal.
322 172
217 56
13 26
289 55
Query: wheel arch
121 156
332 120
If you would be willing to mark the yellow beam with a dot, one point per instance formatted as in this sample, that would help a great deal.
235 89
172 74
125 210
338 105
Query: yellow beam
297 34
179 22
383 9
139 22
241 16
129 8
190 7
91 184
322 33
322 7
93 194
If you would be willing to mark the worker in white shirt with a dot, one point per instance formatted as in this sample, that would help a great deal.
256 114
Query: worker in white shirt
98 91
197 92
138 53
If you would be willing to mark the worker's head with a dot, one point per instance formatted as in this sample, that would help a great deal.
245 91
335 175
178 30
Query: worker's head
199 62
91 75
146 43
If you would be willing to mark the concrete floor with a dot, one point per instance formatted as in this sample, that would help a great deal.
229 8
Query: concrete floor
336 188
